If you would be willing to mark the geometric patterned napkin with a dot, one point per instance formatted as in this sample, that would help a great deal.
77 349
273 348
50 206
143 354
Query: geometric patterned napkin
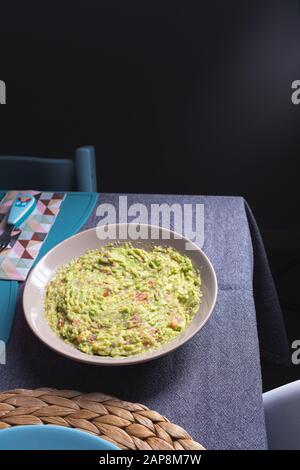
17 259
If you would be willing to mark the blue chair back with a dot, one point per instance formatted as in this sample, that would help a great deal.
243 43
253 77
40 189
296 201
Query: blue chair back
50 174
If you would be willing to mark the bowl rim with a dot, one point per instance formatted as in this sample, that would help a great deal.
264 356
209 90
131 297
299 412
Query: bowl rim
44 428
128 360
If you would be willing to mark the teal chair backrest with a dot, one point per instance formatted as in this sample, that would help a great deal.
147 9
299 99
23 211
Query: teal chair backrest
50 174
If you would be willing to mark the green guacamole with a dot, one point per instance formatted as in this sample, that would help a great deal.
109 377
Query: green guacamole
121 301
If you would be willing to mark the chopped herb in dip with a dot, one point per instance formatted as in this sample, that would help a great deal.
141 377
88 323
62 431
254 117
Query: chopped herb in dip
121 301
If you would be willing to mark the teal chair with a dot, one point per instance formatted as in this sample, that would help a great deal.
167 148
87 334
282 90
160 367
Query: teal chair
50 174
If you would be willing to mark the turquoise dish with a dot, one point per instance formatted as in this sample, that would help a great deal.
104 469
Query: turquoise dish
49 437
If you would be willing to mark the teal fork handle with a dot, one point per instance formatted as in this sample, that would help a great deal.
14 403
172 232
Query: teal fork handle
22 207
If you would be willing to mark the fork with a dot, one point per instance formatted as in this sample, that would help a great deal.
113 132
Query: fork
21 208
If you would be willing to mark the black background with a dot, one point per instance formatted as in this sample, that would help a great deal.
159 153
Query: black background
177 96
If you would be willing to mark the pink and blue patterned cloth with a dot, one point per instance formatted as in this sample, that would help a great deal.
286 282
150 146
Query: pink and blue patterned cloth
17 259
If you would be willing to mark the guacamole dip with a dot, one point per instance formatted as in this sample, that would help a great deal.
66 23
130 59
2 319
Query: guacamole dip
120 300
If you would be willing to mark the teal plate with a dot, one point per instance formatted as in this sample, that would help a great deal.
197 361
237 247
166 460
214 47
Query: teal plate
49 437
74 213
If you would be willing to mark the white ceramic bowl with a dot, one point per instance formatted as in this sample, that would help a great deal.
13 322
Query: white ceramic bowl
64 252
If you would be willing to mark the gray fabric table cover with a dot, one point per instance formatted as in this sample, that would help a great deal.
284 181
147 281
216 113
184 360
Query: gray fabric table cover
212 385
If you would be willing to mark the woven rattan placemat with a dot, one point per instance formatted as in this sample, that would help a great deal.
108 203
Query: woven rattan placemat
125 424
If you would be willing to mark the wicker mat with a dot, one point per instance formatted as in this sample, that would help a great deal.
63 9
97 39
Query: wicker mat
125 424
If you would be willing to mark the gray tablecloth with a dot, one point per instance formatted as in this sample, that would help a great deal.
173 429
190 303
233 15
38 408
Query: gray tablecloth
212 385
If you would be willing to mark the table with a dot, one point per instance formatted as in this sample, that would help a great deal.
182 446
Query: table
212 385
